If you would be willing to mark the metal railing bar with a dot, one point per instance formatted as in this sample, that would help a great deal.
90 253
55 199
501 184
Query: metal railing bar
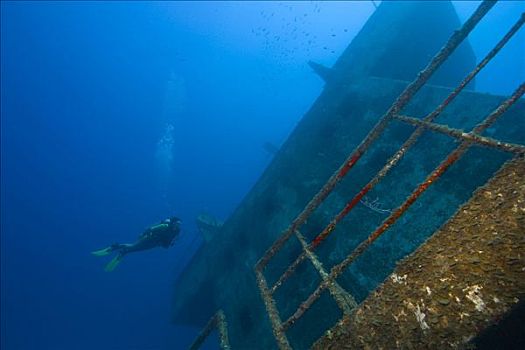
289 271
217 321
465 136
273 313
396 214
222 327
477 69
344 300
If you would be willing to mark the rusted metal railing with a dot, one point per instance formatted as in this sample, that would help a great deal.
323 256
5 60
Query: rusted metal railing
328 280
465 136
396 107
403 149
454 156
217 321
344 300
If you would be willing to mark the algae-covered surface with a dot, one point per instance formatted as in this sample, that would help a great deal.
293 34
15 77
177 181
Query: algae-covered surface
461 280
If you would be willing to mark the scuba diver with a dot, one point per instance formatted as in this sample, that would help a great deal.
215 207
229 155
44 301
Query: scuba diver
160 235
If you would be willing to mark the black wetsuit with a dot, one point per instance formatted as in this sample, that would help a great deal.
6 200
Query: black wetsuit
160 235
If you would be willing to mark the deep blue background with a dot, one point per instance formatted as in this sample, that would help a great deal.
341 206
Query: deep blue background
83 92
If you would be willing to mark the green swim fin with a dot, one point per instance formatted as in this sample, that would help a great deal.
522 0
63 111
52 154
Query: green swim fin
103 252
113 263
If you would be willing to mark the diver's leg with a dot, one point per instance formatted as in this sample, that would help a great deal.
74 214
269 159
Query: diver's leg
111 249
135 247
103 251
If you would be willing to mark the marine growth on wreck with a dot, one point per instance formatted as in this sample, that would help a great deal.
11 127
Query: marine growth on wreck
376 224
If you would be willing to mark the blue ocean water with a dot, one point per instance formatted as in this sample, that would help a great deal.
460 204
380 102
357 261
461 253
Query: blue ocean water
115 116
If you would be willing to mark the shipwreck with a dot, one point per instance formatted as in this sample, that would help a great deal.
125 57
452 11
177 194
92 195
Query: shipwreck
394 214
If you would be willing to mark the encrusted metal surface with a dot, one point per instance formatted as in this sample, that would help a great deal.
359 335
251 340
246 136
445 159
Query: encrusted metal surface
465 136
463 279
